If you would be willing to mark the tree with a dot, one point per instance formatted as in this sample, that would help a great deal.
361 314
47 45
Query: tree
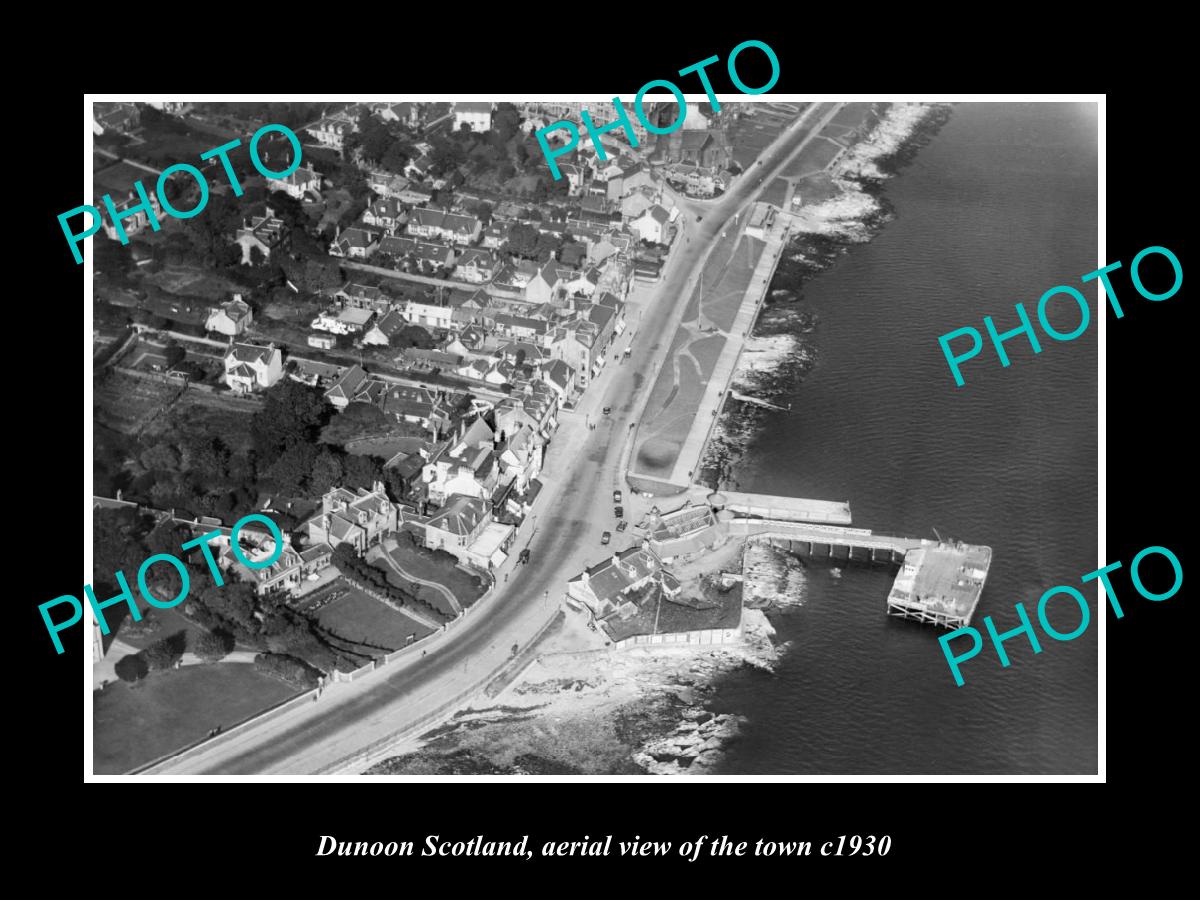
163 652
214 645
415 336
292 413
395 159
376 140
326 472
174 355
131 668
234 602
291 469
361 471
506 122
208 455
522 241
116 546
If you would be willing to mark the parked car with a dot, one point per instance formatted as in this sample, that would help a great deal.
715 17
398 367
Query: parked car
622 525
606 537
523 557
616 496
607 410
619 512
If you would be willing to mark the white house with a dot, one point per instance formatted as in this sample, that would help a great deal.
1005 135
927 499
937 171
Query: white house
651 225
332 132
433 315
229 318
478 116
303 180
249 367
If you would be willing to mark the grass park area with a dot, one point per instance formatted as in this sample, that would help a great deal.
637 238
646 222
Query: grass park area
423 564
815 157
364 620
133 724
775 193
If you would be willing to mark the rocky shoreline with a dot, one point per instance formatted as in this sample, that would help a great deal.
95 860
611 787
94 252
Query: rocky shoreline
597 713
782 349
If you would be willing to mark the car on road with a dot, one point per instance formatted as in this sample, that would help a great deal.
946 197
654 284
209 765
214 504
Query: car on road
616 496
606 537
622 525
619 512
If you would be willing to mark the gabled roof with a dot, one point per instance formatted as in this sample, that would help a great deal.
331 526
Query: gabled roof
472 107
388 207
536 325
358 236
391 324
347 386
363 291
460 515
397 246
303 175
557 372
609 578
251 353
477 257
235 309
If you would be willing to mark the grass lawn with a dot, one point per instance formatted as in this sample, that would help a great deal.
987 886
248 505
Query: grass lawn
853 115
449 575
193 281
816 189
423 591
775 193
362 619
134 724
169 622
383 447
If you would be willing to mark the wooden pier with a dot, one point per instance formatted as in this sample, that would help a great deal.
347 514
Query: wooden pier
938 582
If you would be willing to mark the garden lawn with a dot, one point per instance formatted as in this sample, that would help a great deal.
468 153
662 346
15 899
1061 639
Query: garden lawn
133 724
424 565
169 622
364 620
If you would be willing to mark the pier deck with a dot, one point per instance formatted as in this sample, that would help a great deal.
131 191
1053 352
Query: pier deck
941 584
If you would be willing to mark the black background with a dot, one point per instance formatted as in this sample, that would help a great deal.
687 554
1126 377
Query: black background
951 835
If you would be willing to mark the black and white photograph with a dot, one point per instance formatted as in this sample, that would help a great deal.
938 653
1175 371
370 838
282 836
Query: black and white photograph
554 437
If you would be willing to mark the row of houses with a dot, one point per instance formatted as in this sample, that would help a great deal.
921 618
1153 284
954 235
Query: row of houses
482 334
331 131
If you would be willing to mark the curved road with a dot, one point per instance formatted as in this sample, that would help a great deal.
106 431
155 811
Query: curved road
583 466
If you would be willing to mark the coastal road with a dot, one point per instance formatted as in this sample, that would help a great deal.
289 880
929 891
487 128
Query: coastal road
583 466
